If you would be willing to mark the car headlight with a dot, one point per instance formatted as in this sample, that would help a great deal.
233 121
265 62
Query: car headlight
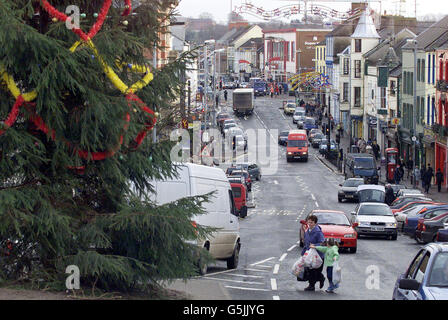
391 225
305 152
364 224
350 235
289 153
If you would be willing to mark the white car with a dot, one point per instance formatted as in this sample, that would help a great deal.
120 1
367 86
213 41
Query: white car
227 127
298 115
375 219
405 192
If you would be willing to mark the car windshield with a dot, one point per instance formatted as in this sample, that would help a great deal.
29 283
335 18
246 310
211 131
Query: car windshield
353 183
284 133
289 105
230 125
318 136
439 271
364 163
297 143
332 218
374 210
309 121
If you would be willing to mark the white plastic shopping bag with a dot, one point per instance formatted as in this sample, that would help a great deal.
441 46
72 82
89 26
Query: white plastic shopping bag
337 273
312 259
298 268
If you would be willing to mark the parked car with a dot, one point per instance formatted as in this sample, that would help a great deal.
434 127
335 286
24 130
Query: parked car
375 219
298 115
246 176
194 180
227 126
221 117
427 228
334 225
253 169
309 123
426 278
349 188
323 146
404 192
240 198
371 193
442 235
397 188
413 208
317 138
425 211
312 133
283 137
403 200
289 108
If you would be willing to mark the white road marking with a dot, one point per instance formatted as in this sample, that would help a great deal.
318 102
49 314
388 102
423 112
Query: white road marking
313 197
235 281
247 289
292 248
275 182
276 268
274 284
256 270
276 298
283 257
317 205
260 262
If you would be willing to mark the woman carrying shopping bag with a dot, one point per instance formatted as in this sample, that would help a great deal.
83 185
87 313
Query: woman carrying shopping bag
331 251
315 236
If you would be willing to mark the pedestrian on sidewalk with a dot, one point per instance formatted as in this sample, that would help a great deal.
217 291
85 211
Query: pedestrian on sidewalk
331 251
428 178
225 95
422 176
390 196
280 88
272 91
416 175
397 175
410 166
376 150
439 179
315 236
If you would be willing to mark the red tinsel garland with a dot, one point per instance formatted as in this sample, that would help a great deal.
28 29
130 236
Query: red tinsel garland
12 116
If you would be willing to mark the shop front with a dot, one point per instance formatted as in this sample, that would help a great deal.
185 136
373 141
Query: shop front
441 158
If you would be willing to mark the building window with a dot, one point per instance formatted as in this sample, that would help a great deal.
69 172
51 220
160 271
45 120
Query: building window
357 68
357 96
346 69
345 92
293 51
419 121
418 69
423 71
357 45
392 87
383 98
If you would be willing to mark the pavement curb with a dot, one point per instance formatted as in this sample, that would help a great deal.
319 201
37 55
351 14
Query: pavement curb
200 289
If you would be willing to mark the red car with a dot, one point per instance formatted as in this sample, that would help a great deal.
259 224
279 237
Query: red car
239 198
336 225
410 204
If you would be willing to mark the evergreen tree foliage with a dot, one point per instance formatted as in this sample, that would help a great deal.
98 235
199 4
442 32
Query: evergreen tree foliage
58 209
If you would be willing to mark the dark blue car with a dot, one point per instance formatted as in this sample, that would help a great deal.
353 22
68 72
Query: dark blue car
412 221
309 124
442 235
426 278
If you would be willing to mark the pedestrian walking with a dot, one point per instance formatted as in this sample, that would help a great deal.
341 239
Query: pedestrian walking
428 178
397 175
422 176
439 179
315 236
225 95
272 91
416 175
331 251
390 196
376 150
410 166
280 88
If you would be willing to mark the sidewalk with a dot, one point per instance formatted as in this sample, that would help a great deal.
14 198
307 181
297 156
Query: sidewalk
345 144
200 289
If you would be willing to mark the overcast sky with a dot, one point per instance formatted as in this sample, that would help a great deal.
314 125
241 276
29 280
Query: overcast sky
221 8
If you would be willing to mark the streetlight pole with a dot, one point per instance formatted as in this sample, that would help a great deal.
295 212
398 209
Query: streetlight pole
414 109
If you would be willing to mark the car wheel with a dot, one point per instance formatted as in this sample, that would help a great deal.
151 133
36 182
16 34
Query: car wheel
394 237
232 262
353 249
259 178
339 199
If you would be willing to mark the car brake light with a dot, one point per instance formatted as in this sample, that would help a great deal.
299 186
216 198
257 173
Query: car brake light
406 222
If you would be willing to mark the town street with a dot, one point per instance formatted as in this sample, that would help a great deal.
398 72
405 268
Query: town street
269 234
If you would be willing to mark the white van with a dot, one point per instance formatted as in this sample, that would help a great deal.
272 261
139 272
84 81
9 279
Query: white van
194 180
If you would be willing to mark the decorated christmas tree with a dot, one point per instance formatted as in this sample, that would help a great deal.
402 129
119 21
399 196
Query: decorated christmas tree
78 102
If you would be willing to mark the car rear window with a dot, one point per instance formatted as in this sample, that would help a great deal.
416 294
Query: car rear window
236 192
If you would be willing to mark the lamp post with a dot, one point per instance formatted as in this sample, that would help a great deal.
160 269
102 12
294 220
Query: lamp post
414 109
